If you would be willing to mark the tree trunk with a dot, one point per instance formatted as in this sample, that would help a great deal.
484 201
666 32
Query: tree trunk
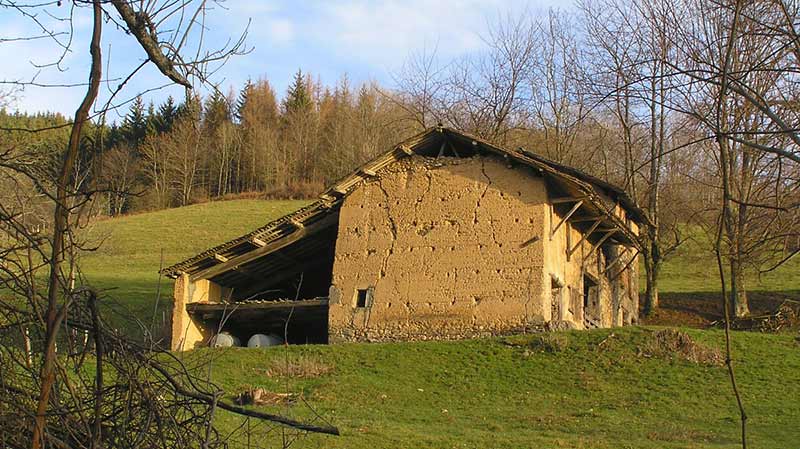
652 268
739 305
54 316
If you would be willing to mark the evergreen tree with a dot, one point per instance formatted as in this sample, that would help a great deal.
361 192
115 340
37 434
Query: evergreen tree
134 125
166 115
151 120
241 101
298 96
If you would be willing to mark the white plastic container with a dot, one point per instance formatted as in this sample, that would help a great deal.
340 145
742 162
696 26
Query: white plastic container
261 340
224 340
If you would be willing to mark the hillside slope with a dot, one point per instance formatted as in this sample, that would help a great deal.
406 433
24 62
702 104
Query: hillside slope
127 261
128 258
620 388
598 389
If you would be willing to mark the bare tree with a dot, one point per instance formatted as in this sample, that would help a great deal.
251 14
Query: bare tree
134 395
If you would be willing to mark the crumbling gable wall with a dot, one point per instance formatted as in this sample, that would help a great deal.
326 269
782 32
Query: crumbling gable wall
439 248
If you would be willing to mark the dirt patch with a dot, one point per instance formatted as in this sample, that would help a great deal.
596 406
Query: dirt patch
672 343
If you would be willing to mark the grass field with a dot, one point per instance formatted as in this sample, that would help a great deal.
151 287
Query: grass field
588 389
127 262
482 393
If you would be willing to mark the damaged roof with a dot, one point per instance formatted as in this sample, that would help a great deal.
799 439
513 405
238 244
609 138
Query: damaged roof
600 196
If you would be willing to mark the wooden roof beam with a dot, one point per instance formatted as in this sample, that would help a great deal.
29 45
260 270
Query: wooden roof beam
406 149
368 172
566 217
568 199
603 239
266 249
583 238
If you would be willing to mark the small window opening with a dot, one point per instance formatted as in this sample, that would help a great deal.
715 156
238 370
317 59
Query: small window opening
361 298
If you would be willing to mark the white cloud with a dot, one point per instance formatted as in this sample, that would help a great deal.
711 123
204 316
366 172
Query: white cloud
280 31
385 32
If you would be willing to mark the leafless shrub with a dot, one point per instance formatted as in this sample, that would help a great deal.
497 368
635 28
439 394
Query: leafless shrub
672 343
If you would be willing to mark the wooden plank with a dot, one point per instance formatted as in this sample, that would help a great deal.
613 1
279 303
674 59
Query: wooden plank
205 307
220 257
258 242
405 149
296 223
566 217
266 249
615 260
585 219
622 270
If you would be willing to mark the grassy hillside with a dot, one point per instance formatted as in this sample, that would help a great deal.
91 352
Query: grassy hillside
599 389
129 256
594 389
693 268
128 260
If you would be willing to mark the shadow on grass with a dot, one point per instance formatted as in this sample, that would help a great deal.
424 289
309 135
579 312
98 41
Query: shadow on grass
699 309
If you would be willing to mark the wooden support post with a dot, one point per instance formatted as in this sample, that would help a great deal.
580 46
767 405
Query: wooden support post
615 261
566 217
583 238
297 224
441 149
625 267
602 240
453 149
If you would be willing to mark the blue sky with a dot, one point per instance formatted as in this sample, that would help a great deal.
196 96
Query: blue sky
368 40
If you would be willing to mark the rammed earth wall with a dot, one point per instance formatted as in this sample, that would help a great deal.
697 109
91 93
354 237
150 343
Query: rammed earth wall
447 248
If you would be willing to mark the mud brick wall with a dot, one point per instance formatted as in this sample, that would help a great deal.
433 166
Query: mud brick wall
445 248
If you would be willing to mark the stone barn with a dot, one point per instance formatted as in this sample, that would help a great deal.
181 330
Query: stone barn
443 236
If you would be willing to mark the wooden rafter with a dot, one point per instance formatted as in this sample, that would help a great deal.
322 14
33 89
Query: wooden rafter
566 217
616 260
583 238
603 239
266 249
568 199
626 266
585 219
